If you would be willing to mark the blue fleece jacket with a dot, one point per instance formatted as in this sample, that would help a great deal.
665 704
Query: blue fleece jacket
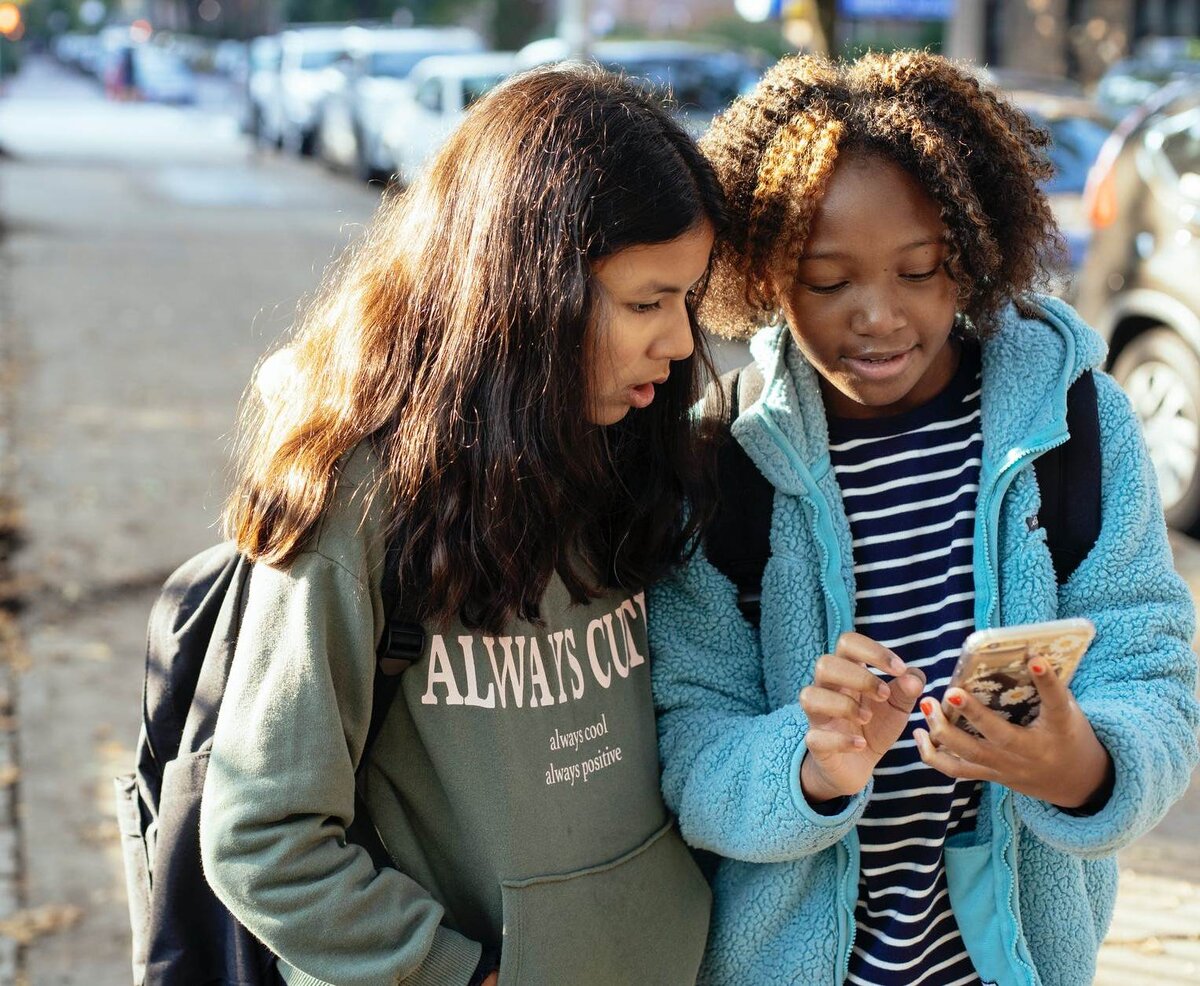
1032 887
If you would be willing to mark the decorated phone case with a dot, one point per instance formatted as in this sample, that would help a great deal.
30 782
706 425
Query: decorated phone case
994 666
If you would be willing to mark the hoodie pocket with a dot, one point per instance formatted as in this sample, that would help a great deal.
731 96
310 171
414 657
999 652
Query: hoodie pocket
641 918
971 880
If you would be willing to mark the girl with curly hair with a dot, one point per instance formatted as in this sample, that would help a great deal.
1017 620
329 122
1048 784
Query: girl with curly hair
489 408
887 229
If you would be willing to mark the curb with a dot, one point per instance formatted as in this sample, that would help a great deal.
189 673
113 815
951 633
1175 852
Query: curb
10 844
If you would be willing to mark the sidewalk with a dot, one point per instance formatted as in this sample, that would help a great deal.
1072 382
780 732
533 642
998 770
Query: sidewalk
1155 934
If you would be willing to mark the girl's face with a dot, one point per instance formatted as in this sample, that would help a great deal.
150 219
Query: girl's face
871 304
641 323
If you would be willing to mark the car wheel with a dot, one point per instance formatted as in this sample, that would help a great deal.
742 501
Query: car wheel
321 147
1161 374
305 142
363 170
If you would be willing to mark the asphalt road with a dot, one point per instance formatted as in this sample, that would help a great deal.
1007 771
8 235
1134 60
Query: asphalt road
149 258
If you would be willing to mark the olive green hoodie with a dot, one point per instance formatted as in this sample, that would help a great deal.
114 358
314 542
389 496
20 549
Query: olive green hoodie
515 784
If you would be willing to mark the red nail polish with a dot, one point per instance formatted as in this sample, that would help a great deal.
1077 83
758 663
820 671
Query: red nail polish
955 700
927 707
1037 667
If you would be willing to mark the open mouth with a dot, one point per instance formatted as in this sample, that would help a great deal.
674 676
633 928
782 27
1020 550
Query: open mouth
879 366
642 395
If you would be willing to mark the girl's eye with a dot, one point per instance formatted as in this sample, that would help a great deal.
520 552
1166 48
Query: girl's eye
922 277
651 306
826 288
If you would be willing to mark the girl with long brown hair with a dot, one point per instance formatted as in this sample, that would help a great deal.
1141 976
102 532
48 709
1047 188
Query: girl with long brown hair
489 403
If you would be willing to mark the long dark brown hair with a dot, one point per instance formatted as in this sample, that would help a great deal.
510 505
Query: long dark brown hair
453 337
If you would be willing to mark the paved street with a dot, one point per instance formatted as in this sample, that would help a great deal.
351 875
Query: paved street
149 257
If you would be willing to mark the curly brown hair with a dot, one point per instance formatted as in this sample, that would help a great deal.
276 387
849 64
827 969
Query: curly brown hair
980 158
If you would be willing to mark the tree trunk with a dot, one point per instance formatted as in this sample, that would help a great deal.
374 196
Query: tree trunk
827 20
516 22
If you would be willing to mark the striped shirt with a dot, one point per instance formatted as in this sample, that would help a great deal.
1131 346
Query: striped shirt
909 484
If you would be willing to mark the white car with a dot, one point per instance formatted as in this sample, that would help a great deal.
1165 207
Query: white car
442 87
375 79
261 86
702 80
287 101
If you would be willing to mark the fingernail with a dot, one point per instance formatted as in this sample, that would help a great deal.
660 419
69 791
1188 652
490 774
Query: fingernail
864 715
898 666
1037 667
883 692
927 707
956 700
859 743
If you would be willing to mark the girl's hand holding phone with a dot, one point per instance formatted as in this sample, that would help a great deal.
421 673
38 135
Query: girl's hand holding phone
854 716
1056 758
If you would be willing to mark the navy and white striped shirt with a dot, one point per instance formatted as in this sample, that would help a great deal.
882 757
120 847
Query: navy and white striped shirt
909 483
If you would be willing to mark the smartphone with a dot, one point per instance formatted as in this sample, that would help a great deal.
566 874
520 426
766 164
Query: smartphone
994 666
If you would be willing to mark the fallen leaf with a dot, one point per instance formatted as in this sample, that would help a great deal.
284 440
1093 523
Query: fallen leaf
34 922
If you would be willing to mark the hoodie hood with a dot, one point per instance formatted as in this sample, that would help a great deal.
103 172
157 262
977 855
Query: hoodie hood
1029 363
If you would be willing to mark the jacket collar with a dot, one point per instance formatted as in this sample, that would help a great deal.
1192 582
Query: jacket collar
1039 350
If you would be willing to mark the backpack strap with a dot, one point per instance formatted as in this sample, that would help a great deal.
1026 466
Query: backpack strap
739 539
1069 480
400 645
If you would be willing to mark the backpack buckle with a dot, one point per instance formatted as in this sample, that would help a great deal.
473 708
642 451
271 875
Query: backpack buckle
405 643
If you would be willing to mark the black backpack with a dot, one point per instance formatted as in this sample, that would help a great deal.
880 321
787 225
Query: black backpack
182 934
738 541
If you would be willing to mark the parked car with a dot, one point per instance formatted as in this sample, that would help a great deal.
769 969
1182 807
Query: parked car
1129 83
702 80
1139 284
374 78
150 73
285 102
262 88
74 48
442 87
90 53
230 59
1078 128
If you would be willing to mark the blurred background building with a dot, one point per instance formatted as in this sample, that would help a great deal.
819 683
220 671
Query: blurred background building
1073 38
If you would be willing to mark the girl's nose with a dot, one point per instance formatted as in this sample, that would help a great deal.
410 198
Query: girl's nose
675 342
879 314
